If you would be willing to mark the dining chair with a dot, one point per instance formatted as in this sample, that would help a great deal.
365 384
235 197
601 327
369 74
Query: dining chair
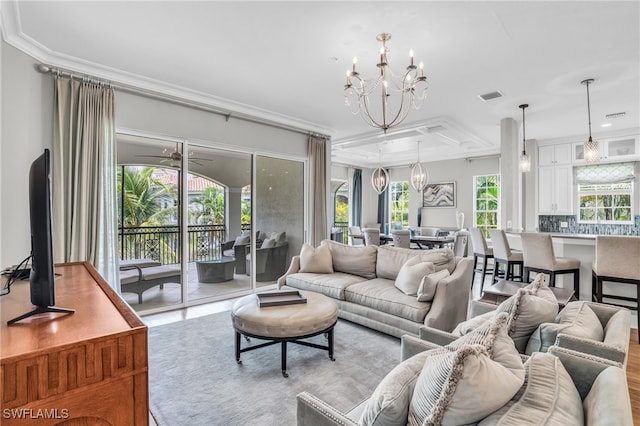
428 231
355 236
401 238
502 255
371 236
538 256
460 243
617 260
480 251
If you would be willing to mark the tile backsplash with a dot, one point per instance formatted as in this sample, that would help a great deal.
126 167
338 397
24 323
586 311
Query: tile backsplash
552 224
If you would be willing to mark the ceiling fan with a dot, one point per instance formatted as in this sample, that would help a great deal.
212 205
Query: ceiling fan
174 158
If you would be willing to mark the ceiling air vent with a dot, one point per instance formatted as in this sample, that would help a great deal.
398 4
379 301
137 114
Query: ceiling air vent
616 115
491 95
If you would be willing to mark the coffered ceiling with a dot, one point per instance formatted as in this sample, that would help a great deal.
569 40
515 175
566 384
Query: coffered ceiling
286 61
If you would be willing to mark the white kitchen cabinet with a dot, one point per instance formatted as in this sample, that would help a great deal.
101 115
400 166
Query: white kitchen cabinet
611 150
551 155
555 189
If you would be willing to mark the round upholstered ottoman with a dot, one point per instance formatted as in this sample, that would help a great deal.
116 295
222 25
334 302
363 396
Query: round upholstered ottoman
284 324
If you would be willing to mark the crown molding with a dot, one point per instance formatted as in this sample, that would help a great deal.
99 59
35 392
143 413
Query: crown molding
10 24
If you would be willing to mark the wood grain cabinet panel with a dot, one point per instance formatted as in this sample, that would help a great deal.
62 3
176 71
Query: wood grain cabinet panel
88 368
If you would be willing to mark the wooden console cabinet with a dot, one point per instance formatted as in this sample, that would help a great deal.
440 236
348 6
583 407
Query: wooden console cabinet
85 368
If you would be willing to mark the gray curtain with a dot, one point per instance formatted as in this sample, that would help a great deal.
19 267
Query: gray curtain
317 150
356 202
84 201
383 210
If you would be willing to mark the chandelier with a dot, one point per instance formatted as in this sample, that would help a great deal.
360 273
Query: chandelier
591 148
525 161
419 176
398 93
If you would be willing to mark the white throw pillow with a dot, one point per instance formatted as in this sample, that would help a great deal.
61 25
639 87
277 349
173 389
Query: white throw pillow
429 284
461 386
268 243
242 240
316 260
389 403
411 274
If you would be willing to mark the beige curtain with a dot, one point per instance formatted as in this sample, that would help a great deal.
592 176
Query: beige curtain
317 150
84 209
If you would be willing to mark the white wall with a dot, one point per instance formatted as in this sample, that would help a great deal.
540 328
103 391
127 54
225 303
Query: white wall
27 104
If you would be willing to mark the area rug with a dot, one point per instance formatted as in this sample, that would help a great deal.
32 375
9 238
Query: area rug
194 378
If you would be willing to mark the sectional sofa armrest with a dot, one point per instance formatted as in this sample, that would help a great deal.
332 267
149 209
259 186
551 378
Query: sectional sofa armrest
592 347
449 305
411 345
294 267
312 411
435 336
477 308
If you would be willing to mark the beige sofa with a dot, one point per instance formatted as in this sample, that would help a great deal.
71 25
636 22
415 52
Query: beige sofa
370 283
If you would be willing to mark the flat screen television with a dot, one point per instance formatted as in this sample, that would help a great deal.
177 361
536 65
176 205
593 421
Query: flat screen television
42 276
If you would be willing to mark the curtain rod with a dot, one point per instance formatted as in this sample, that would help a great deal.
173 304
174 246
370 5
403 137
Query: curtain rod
152 94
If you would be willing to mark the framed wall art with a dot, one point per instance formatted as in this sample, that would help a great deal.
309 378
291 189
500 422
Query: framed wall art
442 194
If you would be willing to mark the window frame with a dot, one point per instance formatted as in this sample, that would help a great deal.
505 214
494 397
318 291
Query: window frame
404 212
484 227
600 191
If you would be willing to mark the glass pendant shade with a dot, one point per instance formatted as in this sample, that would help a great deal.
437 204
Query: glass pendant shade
525 162
380 180
419 177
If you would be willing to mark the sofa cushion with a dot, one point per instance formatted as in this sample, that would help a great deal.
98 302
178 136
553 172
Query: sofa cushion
461 386
389 403
356 260
411 274
315 260
380 294
332 285
576 319
548 396
429 284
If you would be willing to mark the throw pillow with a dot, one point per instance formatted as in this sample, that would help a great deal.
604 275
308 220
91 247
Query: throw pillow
460 386
279 237
355 260
494 337
429 284
527 309
268 243
548 396
576 319
315 260
389 403
411 274
242 240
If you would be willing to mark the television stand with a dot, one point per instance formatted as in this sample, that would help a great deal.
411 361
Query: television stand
41 310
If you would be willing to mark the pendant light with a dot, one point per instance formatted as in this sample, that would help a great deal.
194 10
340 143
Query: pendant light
525 161
591 148
380 177
419 177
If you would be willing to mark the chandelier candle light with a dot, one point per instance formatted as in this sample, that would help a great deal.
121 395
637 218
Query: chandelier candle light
400 93
525 161
419 177
591 148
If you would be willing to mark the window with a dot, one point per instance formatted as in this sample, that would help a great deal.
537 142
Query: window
486 202
605 193
399 204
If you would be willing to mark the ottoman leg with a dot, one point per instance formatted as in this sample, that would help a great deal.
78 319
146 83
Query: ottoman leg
238 336
330 345
284 358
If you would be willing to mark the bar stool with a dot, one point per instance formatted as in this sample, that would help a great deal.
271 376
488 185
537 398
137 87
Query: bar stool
537 251
371 236
502 254
401 238
480 250
617 260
